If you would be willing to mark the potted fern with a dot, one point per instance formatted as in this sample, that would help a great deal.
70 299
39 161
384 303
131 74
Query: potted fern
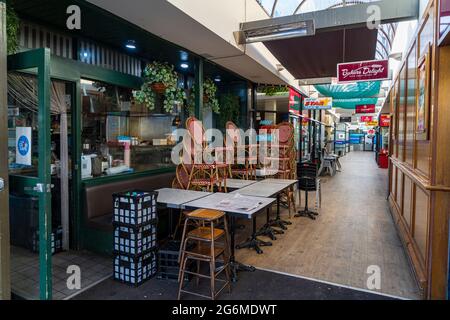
160 78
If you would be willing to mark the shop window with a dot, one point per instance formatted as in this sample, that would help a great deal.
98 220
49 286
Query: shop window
401 115
411 106
121 136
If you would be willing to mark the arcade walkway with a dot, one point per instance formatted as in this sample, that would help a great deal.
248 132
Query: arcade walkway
354 231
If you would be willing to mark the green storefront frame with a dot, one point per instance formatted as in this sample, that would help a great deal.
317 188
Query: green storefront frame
40 186
72 71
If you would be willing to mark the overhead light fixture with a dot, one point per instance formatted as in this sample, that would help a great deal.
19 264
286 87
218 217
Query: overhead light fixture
218 79
268 31
131 44
184 65
184 56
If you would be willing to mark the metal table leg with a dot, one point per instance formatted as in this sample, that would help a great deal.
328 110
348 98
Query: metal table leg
236 266
253 242
267 230
278 222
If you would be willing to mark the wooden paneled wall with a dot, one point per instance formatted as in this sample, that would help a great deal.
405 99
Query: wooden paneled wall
420 173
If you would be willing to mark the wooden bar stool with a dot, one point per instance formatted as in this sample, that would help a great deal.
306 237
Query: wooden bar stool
212 247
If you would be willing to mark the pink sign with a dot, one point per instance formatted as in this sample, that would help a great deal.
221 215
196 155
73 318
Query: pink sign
365 108
366 118
363 71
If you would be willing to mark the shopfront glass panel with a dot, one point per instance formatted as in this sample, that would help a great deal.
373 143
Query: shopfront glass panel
121 136
23 152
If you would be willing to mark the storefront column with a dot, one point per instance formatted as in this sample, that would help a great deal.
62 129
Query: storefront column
253 105
5 285
199 77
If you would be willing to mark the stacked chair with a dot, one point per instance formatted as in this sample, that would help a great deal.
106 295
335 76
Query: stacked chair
202 176
242 168
212 247
286 159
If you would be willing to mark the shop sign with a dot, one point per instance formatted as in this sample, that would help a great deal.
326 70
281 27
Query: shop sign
373 70
265 122
372 124
295 102
345 119
23 145
366 118
385 120
318 104
365 108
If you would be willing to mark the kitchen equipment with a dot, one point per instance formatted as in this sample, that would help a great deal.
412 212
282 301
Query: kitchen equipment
160 142
117 170
96 166
105 166
86 166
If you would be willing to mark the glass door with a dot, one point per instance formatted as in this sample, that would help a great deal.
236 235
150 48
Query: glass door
29 160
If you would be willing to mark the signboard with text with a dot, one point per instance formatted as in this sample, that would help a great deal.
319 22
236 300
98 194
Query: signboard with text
385 120
373 70
318 103
295 102
345 119
23 145
365 108
366 118
372 124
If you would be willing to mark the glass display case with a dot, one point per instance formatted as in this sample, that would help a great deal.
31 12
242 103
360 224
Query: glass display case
121 136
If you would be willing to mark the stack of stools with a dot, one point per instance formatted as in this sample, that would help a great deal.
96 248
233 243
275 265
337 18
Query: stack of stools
135 236
212 247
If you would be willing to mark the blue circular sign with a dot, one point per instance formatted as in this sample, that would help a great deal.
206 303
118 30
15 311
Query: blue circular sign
23 145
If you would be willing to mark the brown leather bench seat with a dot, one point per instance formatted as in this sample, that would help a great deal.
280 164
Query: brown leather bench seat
98 199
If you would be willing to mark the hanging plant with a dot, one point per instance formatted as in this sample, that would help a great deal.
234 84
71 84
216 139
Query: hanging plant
229 109
210 101
12 29
160 78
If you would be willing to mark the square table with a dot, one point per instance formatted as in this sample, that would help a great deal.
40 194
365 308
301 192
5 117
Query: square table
175 198
280 181
213 202
239 184
269 188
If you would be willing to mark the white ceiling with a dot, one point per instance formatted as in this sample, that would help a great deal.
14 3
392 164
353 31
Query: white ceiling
165 20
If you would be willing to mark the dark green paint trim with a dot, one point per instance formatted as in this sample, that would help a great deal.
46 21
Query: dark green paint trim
72 70
125 176
45 210
40 59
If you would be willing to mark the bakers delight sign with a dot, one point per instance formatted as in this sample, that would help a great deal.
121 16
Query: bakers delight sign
363 71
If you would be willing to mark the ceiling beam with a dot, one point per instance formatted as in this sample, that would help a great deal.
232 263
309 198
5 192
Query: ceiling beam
354 16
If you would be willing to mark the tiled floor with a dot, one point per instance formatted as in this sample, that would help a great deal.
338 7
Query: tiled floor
354 231
25 272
